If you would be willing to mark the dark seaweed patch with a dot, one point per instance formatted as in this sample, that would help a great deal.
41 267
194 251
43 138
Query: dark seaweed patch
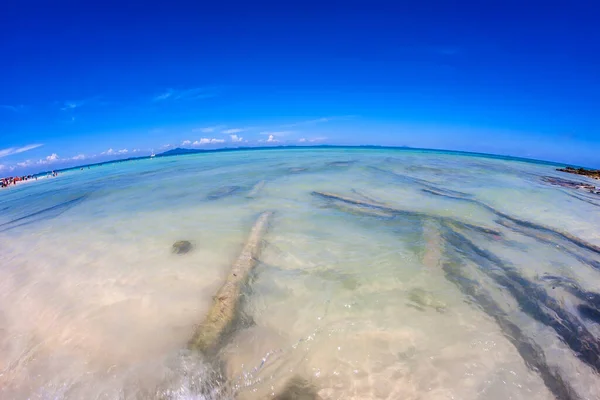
223 192
532 353
365 204
341 163
45 214
422 182
592 298
533 300
590 313
525 224
552 238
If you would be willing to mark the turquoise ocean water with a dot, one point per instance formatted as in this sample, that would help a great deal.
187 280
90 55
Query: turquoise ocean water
449 285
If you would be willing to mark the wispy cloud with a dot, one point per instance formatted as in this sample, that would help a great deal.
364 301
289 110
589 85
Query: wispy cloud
123 151
79 157
16 109
72 105
312 140
185 94
208 129
186 142
312 121
236 138
16 150
108 152
232 131
446 50
204 141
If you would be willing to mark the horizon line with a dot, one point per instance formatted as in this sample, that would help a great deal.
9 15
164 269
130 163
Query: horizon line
190 151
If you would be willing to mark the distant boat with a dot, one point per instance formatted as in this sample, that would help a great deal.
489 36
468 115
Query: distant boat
152 155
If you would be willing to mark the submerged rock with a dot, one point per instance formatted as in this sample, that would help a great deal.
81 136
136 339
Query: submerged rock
298 388
422 298
588 187
591 173
181 247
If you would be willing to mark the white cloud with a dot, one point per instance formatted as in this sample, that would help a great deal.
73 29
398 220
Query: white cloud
185 94
51 159
232 131
272 139
186 142
166 146
163 96
276 133
108 152
27 163
236 138
72 105
16 150
79 157
135 150
69 105
123 151
302 140
15 109
204 141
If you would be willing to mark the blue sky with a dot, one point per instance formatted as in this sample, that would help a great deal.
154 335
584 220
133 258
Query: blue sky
84 83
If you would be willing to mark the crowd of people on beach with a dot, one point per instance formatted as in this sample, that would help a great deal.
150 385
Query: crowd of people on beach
13 180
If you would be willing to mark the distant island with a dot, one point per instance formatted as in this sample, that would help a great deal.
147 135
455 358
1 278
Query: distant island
182 151
590 173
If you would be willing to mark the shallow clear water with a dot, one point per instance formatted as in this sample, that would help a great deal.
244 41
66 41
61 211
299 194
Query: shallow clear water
361 302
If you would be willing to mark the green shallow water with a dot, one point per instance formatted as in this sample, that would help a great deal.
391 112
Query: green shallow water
93 304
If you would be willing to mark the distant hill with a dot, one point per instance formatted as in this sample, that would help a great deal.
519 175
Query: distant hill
179 151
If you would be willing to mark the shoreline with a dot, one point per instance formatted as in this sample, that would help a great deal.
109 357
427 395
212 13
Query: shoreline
21 182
